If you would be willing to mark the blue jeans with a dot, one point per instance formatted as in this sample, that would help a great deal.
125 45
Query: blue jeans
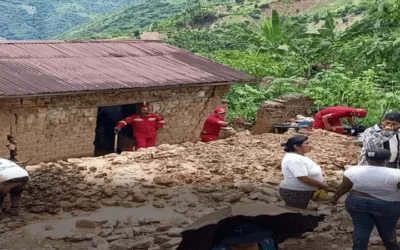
367 213
392 165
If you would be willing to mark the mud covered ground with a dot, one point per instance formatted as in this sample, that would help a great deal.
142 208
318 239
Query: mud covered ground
144 199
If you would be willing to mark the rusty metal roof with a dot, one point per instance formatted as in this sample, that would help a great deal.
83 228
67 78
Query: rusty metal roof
51 67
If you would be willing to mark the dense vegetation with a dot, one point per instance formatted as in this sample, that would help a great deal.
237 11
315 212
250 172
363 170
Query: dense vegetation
338 61
132 20
127 22
42 19
358 66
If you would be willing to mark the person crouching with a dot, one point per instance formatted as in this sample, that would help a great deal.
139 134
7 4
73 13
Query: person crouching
13 180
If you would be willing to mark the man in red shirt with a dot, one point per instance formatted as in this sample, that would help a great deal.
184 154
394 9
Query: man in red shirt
329 118
144 125
213 124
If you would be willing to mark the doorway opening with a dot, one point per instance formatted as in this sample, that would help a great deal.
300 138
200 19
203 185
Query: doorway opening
107 119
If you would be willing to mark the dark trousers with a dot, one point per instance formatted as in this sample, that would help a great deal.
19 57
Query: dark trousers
392 165
15 187
367 213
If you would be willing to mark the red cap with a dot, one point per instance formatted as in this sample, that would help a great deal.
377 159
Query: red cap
220 110
144 107
361 113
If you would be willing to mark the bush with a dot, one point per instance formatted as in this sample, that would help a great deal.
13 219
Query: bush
337 85
316 18
239 1
136 34
264 6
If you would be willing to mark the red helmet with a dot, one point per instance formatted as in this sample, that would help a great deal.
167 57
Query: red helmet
361 113
220 110
144 107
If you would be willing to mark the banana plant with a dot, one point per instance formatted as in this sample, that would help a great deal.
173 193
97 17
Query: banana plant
271 35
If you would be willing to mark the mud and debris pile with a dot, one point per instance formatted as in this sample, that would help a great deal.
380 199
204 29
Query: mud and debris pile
87 183
192 179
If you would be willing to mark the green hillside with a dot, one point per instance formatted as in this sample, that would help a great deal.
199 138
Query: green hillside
43 19
148 15
124 22
338 52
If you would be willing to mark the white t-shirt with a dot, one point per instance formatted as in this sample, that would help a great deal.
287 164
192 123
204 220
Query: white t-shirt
9 170
379 182
295 165
393 145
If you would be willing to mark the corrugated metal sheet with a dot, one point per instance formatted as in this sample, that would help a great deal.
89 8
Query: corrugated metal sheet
43 67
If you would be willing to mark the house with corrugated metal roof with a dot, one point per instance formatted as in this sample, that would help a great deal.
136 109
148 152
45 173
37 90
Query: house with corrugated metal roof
61 99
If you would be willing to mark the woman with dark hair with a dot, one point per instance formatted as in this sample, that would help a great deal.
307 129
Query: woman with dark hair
374 199
302 176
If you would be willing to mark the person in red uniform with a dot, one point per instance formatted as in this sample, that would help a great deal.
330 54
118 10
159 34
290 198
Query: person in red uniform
329 118
144 125
213 124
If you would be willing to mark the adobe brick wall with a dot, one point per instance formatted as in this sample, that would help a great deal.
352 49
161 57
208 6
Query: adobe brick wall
53 128
280 110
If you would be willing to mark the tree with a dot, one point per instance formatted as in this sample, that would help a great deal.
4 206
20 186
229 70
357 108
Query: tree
136 34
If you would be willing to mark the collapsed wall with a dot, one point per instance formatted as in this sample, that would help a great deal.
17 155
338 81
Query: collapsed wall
280 110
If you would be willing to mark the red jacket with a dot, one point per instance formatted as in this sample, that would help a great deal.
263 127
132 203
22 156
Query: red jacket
337 112
143 127
211 125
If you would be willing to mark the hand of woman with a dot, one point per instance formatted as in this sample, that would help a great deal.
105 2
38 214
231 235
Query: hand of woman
332 201
325 187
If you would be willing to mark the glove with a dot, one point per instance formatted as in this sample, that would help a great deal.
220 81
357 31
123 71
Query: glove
116 130
319 195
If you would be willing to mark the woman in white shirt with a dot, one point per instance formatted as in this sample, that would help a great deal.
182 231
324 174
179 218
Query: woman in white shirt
302 176
374 199
13 180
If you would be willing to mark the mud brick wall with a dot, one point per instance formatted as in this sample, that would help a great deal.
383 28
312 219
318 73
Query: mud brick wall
60 127
280 110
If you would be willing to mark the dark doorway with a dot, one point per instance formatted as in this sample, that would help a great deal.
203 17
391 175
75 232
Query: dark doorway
107 119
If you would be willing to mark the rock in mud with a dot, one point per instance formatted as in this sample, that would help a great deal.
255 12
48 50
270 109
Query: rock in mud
158 204
175 232
105 232
172 243
138 197
120 160
161 239
119 246
163 180
85 224
375 240
99 242
246 188
77 237
112 238
143 243
93 169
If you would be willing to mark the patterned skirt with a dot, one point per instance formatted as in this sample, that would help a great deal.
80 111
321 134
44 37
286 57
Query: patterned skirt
293 198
